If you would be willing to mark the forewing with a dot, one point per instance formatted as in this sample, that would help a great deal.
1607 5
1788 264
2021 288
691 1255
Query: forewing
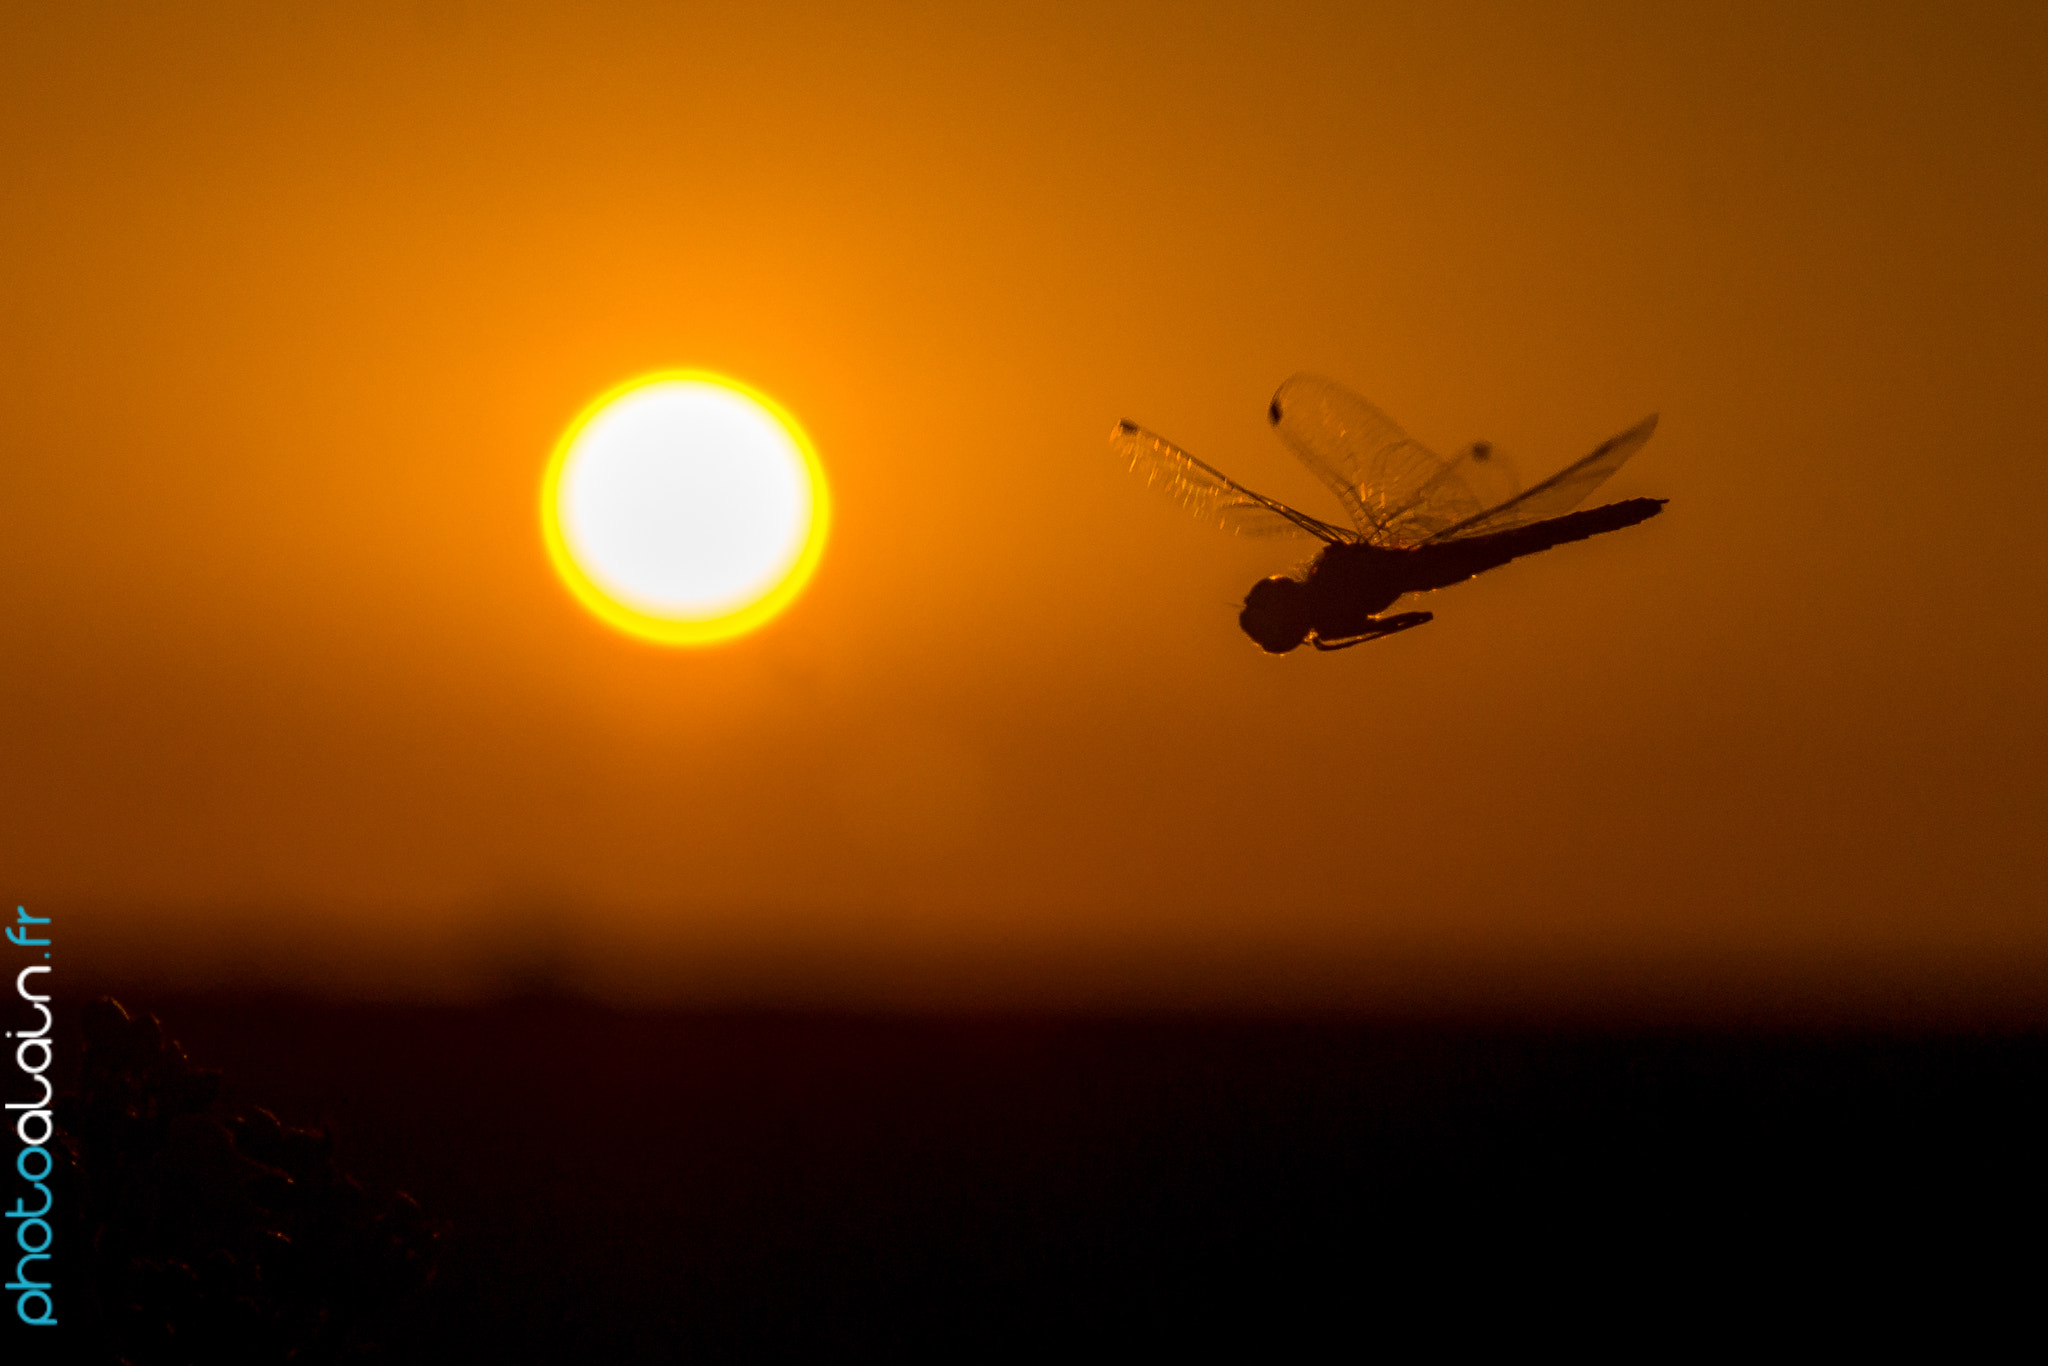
1398 490
1561 492
1212 495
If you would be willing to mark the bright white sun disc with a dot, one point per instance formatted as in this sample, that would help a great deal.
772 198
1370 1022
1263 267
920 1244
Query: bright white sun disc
684 507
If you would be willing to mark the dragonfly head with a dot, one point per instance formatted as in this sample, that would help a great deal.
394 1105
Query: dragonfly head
1276 614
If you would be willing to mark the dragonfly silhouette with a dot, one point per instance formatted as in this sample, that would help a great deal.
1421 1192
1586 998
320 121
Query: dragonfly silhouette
1419 521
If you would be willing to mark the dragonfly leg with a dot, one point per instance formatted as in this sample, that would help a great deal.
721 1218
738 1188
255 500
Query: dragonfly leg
1382 626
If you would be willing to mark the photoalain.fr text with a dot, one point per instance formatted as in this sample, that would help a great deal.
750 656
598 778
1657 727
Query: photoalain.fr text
35 1128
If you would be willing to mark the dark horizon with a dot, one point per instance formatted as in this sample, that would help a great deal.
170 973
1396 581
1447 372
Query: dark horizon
1880 991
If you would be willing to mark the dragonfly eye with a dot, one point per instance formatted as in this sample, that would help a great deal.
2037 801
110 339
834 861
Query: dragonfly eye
1273 411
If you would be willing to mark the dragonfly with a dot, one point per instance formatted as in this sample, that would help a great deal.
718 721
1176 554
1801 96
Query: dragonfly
1419 522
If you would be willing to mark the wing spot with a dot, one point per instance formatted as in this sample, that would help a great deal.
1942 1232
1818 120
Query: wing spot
1273 411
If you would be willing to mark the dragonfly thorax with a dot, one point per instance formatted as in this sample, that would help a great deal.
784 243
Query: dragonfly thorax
1345 586
1349 578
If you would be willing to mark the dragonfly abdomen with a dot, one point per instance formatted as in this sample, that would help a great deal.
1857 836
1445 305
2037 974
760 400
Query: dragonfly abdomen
1444 563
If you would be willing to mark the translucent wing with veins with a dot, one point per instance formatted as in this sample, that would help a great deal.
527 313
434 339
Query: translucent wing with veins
1561 492
1209 493
1398 490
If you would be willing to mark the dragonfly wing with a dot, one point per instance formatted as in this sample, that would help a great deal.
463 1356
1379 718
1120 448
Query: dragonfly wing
1398 490
1561 492
1212 495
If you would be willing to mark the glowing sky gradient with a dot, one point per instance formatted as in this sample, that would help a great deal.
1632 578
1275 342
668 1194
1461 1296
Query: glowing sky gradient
296 304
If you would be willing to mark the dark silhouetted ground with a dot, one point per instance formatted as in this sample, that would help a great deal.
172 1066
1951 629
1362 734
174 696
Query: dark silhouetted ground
609 1186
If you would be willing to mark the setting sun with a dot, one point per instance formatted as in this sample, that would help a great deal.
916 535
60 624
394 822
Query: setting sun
684 508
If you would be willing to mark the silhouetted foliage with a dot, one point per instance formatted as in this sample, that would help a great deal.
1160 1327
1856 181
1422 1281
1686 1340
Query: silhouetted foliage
211 1234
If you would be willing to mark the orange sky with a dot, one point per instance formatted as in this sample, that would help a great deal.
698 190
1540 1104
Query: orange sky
294 306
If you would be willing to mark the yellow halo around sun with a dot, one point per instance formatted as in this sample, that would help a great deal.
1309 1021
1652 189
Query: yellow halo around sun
684 507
